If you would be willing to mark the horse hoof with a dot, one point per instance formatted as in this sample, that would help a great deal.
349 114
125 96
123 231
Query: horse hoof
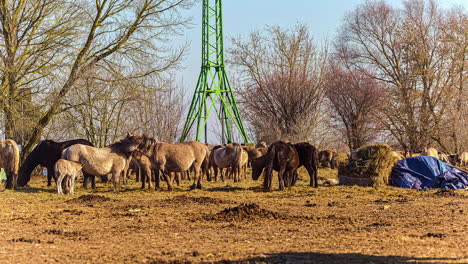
199 187
193 187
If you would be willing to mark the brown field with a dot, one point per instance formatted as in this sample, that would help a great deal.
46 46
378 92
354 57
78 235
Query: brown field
233 223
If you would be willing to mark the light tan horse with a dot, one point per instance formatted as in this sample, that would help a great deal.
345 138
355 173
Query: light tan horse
226 157
172 158
102 161
9 161
68 170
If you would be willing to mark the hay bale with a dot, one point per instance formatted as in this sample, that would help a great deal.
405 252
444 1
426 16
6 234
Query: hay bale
252 145
374 162
341 159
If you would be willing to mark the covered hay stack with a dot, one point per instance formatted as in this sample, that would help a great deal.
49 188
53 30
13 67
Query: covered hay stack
372 167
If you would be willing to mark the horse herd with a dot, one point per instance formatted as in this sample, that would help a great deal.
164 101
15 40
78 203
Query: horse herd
158 160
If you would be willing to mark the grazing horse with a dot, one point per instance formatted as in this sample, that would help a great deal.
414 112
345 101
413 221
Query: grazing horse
46 153
172 158
326 158
9 161
102 161
68 170
281 157
227 157
308 157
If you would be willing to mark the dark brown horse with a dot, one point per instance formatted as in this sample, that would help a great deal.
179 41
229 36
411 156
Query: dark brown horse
308 157
281 157
46 153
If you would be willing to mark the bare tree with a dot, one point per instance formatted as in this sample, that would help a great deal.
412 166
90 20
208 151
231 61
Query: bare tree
282 79
116 34
33 36
356 100
405 48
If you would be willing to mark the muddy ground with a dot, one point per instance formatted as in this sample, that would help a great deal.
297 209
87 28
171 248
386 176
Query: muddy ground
233 223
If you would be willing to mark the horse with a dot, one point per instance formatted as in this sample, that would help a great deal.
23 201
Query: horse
254 153
144 168
102 161
172 158
308 157
9 161
281 157
69 170
227 157
326 158
46 153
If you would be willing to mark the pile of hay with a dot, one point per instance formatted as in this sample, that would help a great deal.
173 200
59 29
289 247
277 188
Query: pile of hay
341 159
372 167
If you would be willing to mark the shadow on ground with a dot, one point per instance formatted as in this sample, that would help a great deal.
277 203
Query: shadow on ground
345 258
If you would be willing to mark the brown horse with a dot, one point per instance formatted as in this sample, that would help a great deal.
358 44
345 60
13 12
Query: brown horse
102 161
9 161
281 157
172 158
145 169
226 158
254 153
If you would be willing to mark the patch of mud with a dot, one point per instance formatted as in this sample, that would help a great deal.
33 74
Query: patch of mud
244 212
161 261
183 199
90 198
445 193
27 240
74 235
436 235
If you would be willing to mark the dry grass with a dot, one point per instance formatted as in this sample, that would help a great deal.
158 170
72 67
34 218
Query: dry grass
233 223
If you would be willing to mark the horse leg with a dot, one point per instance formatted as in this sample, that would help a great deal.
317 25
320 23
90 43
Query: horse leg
281 177
169 179
196 178
178 177
116 178
157 180
59 183
50 175
149 176
267 178
72 184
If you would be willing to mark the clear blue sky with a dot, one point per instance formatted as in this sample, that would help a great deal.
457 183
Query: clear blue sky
244 16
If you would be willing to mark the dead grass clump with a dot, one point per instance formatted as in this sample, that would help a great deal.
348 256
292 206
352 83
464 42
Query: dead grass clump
445 193
89 198
244 212
372 167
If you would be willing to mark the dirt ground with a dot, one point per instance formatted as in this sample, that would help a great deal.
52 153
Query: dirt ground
233 223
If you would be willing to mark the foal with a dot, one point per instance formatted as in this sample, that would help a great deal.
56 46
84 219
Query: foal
69 170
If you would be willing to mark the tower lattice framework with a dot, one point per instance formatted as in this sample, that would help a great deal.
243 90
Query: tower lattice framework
213 90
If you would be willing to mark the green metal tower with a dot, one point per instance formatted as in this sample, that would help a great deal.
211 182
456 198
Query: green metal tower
213 90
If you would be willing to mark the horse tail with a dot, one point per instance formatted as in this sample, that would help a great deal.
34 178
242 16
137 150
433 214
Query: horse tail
11 163
237 159
14 157
315 160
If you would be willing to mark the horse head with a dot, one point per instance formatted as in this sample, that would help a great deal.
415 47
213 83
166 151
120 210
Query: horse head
257 168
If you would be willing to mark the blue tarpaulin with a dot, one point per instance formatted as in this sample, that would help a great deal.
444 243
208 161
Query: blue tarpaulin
427 172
